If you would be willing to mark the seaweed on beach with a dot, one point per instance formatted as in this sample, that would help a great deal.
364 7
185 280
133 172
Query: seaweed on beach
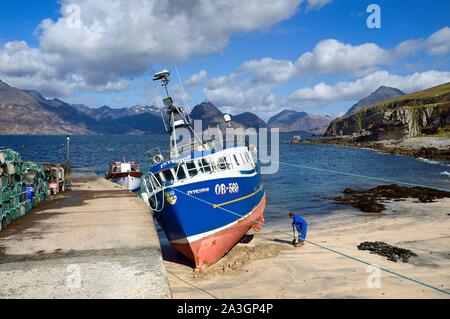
391 252
369 201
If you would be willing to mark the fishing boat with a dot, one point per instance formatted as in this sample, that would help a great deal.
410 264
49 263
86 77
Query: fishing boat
127 174
205 194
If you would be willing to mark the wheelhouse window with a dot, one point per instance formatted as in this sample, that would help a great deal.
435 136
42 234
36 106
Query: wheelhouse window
242 158
158 178
224 163
168 175
247 157
236 160
206 166
192 169
181 173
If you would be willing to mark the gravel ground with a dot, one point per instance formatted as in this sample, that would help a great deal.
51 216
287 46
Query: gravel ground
427 142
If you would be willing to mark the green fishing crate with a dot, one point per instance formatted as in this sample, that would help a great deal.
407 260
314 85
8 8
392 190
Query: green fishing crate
23 185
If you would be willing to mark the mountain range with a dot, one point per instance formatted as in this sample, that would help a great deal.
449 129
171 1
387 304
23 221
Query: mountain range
25 112
28 112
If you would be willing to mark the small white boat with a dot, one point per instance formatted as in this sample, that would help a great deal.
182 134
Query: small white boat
126 174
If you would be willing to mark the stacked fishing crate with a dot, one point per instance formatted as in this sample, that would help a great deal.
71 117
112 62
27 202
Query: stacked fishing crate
14 199
22 186
36 181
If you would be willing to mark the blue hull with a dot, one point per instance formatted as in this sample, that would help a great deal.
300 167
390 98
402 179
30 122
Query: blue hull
193 209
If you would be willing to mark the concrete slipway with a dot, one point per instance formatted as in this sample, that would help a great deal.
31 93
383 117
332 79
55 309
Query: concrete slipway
96 241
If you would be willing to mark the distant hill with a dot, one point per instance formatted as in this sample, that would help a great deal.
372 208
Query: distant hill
249 119
28 112
381 94
423 112
212 116
208 113
292 121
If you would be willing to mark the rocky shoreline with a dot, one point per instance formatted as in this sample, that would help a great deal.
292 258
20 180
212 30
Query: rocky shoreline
436 148
370 201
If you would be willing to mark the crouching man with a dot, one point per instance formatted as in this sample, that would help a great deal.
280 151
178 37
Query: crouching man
302 227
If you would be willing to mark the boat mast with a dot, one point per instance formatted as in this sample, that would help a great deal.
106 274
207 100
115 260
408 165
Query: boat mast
172 111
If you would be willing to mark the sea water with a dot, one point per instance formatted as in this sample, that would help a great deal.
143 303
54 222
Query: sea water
290 189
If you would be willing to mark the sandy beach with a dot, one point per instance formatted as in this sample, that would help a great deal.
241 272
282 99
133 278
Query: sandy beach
269 267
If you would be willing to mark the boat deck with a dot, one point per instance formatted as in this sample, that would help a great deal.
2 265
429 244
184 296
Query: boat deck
96 241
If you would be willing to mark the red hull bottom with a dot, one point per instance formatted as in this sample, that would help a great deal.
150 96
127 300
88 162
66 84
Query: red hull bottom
206 251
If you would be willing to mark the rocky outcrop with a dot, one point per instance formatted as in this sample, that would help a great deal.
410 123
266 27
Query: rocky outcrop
370 201
425 112
392 253
430 147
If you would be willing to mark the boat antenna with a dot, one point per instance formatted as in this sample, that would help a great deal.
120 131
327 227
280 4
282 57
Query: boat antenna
183 93
164 77
163 119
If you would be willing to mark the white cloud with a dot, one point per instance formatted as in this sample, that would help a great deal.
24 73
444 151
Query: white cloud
251 86
18 59
436 44
30 68
332 56
268 70
117 39
439 42
124 37
317 4
237 96
196 79
345 91
221 81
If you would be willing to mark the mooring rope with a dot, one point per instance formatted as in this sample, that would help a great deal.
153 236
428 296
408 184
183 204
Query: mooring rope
192 285
379 179
414 280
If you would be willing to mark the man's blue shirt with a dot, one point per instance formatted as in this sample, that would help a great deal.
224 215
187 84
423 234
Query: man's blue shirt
297 220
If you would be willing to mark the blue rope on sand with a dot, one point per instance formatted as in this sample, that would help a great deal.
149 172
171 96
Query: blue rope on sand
417 281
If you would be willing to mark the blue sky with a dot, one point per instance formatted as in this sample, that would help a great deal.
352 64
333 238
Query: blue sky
109 60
